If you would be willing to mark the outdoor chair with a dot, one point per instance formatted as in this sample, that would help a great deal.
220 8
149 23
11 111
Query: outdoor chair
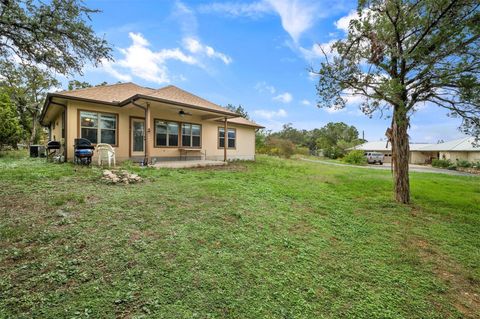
105 152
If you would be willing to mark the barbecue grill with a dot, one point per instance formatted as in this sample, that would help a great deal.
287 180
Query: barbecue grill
83 150
53 150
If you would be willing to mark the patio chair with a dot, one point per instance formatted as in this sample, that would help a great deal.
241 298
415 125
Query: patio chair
105 152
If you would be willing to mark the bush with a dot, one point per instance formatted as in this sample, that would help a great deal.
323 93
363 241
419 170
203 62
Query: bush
333 152
355 157
441 163
464 163
302 150
277 147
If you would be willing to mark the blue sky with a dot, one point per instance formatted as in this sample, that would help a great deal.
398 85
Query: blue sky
254 53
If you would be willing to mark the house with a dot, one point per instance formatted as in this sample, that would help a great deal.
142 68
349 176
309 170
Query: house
421 153
153 124
416 156
461 149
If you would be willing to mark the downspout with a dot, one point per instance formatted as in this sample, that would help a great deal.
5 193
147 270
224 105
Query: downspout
145 160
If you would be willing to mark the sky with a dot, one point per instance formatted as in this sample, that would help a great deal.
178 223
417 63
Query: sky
251 53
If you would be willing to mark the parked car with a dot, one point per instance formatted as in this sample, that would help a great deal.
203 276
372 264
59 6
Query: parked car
373 158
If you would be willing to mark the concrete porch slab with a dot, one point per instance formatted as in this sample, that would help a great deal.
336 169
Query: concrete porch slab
188 164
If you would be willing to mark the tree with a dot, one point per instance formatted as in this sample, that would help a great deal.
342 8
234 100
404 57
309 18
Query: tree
400 53
53 34
9 126
75 85
27 86
288 132
335 138
240 110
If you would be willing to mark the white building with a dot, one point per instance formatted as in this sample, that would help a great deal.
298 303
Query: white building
421 153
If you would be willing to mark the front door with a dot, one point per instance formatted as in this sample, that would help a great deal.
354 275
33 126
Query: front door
137 137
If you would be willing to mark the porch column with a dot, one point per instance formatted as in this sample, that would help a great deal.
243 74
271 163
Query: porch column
225 140
148 132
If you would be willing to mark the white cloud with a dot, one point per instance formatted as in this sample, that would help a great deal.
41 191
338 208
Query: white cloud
319 51
235 9
264 87
270 114
150 65
297 16
284 97
344 22
195 46
107 66
139 60
306 102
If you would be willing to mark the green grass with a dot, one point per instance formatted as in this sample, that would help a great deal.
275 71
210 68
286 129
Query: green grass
270 239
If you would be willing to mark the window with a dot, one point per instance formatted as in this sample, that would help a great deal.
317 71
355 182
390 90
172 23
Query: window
166 133
232 137
98 127
191 135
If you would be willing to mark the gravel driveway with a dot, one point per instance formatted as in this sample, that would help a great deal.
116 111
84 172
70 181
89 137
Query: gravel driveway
387 166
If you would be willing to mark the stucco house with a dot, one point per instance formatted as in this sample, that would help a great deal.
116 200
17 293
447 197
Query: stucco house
421 153
144 123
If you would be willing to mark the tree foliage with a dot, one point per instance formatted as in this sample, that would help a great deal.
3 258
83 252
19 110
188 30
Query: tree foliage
400 54
53 34
9 126
27 87
240 110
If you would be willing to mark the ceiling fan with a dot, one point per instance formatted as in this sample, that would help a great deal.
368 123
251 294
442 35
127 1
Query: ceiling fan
183 113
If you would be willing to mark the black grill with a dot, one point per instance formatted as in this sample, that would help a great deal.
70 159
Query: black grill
83 149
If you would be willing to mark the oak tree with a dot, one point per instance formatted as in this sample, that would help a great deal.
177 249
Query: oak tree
399 54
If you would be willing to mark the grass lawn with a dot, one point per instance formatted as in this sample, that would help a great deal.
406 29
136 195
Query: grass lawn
270 239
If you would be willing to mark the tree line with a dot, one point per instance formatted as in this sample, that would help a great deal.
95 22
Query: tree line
332 140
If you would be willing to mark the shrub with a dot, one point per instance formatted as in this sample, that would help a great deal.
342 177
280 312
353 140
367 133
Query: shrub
277 147
476 165
302 150
441 163
355 157
463 163
333 152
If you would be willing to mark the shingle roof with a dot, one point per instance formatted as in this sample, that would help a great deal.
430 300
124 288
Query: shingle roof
461 145
244 121
175 94
120 93
108 93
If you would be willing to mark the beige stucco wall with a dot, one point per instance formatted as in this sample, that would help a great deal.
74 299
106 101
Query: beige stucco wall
474 156
245 148
418 157
467 156
57 128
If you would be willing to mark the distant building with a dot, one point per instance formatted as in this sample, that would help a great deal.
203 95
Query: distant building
421 153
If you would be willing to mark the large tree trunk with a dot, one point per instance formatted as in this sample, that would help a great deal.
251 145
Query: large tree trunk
34 129
400 155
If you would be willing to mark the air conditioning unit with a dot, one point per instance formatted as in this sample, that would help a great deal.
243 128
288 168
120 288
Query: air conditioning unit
37 151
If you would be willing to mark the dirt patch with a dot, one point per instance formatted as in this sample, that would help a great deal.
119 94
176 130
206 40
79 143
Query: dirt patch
235 167
463 291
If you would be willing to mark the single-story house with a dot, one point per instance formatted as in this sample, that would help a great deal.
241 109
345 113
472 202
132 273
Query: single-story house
422 153
144 123
462 149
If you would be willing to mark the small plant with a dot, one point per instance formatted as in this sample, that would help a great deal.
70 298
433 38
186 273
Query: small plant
464 163
355 157
441 163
